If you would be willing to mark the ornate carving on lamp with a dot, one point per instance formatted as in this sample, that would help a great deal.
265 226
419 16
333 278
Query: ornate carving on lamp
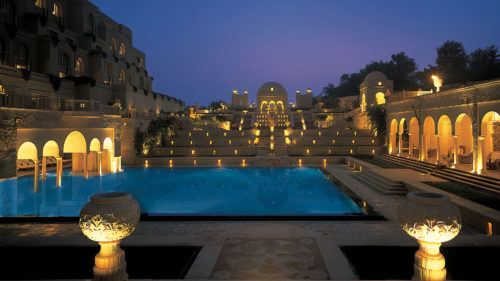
108 218
432 219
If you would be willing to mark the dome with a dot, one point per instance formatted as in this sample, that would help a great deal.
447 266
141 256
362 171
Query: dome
272 89
375 75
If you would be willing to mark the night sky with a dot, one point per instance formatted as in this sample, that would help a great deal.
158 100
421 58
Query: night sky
199 50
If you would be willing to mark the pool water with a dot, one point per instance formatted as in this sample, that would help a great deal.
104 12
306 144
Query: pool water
186 192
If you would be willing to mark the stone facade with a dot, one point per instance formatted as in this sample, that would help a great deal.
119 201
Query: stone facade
68 49
239 101
304 101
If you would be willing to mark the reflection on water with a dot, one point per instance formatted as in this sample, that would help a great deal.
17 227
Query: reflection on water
185 191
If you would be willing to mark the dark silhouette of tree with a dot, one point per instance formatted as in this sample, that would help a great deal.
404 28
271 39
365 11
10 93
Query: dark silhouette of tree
452 62
482 64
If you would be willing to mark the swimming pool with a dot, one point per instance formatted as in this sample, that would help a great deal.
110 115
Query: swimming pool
186 192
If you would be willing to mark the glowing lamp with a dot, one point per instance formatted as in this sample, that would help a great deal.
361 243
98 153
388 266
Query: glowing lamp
146 164
108 218
432 219
438 82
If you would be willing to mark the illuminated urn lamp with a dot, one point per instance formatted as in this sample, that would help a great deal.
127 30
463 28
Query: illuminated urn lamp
108 218
432 219
438 82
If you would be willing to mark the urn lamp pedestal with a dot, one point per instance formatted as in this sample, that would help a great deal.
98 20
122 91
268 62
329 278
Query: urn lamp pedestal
110 264
429 263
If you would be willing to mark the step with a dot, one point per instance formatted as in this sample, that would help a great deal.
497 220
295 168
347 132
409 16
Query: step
375 186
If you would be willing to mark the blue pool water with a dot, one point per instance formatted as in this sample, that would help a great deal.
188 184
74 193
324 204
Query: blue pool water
186 191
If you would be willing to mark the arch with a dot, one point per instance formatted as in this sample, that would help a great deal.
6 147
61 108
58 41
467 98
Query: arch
122 49
79 66
22 56
445 130
272 105
487 132
57 10
27 151
414 135
403 136
90 23
282 106
41 3
75 143
112 46
95 145
262 105
363 102
380 98
123 77
463 132
51 148
429 141
64 64
107 144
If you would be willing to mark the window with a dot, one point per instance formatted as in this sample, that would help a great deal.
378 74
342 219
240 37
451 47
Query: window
141 62
22 56
122 77
57 10
112 45
64 66
40 3
380 98
122 49
109 74
90 24
380 83
79 66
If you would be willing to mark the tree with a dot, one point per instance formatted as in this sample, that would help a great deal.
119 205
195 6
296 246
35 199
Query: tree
482 64
452 61
215 106
377 119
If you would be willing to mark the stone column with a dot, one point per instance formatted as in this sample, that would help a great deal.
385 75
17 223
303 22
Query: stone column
400 149
475 153
44 167
99 163
438 150
423 148
480 157
410 144
85 169
59 171
455 151
37 171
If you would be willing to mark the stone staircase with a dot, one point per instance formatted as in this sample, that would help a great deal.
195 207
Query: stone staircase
380 183
454 175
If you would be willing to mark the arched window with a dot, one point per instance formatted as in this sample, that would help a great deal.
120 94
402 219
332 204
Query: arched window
79 66
22 56
122 77
122 49
141 62
40 3
112 45
380 98
90 23
101 30
57 10
64 66
141 83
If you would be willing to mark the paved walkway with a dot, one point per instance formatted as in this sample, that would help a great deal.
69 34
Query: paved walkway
259 250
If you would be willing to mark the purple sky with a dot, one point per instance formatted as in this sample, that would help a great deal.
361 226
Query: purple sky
199 50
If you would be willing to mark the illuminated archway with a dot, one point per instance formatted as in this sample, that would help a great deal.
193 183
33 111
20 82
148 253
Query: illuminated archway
95 145
76 145
27 151
414 137
380 98
262 105
445 137
403 135
392 136
107 144
429 141
278 104
487 132
463 133
51 148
